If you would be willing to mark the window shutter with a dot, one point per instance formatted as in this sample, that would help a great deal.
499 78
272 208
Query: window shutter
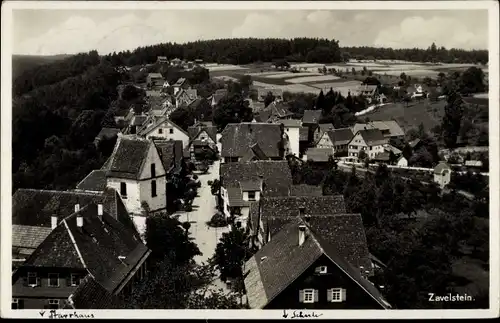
344 294
301 296
329 295
316 295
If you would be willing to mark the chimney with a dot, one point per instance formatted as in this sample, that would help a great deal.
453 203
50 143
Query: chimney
54 221
302 234
77 207
99 211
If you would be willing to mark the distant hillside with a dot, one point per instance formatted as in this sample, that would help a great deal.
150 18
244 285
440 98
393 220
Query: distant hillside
21 63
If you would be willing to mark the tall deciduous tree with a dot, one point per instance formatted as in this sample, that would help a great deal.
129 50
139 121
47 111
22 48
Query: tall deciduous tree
452 119
231 252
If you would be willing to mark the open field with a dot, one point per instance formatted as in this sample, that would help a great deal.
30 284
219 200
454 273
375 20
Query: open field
290 74
430 114
223 67
308 79
416 73
294 88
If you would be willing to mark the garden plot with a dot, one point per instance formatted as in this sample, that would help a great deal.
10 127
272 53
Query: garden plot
266 73
224 67
294 88
290 74
311 79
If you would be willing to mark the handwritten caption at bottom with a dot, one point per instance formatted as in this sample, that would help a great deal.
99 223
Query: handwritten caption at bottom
300 314
53 314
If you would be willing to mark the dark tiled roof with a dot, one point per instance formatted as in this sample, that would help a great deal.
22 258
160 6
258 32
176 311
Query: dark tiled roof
290 205
276 175
91 295
108 133
96 246
128 157
236 138
263 116
94 181
195 130
251 185
254 153
311 116
340 136
282 260
373 137
319 154
35 207
306 190
235 196
391 125
28 236
170 152
293 123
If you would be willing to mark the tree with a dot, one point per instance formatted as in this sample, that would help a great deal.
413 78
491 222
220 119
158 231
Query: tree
269 98
232 109
472 81
403 77
320 101
230 253
452 119
246 82
166 237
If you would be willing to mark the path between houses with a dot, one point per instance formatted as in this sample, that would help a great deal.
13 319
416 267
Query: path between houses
204 206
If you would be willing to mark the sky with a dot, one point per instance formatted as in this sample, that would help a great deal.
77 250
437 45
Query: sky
62 31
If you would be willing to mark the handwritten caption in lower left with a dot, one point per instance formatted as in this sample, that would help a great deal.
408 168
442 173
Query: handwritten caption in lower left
53 314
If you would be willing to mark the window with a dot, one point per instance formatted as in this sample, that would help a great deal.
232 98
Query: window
123 190
15 304
54 304
75 280
153 188
171 131
153 170
251 196
53 280
322 269
160 131
336 295
32 279
308 295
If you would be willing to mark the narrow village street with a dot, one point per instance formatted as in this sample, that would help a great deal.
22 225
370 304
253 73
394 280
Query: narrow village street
204 206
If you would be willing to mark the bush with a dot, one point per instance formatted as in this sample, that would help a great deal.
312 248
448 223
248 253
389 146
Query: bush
218 220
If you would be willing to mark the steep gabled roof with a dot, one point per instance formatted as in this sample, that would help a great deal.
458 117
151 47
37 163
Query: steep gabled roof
238 137
311 116
276 175
28 236
254 153
306 190
91 295
94 181
95 247
392 126
340 136
158 121
281 261
170 152
373 137
196 129
128 156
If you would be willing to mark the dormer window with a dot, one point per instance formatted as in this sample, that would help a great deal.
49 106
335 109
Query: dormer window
322 270
32 279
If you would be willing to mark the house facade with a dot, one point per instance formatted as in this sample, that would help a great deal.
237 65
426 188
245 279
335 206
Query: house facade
370 141
86 243
442 174
185 97
164 128
136 172
337 140
292 132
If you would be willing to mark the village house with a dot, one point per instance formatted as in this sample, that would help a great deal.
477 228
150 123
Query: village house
202 135
337 140
301 269
292 132
136 171
181 83
262 94
305 190
184 97
86 242
311 119
371 141
402 161
154 80
166 129
162 59
217 96
389 128
244 183
442 174
321 129
253 141
274 112
34 212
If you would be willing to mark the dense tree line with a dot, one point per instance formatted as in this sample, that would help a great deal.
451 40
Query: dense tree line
431 54
54 128
54 72
234 51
